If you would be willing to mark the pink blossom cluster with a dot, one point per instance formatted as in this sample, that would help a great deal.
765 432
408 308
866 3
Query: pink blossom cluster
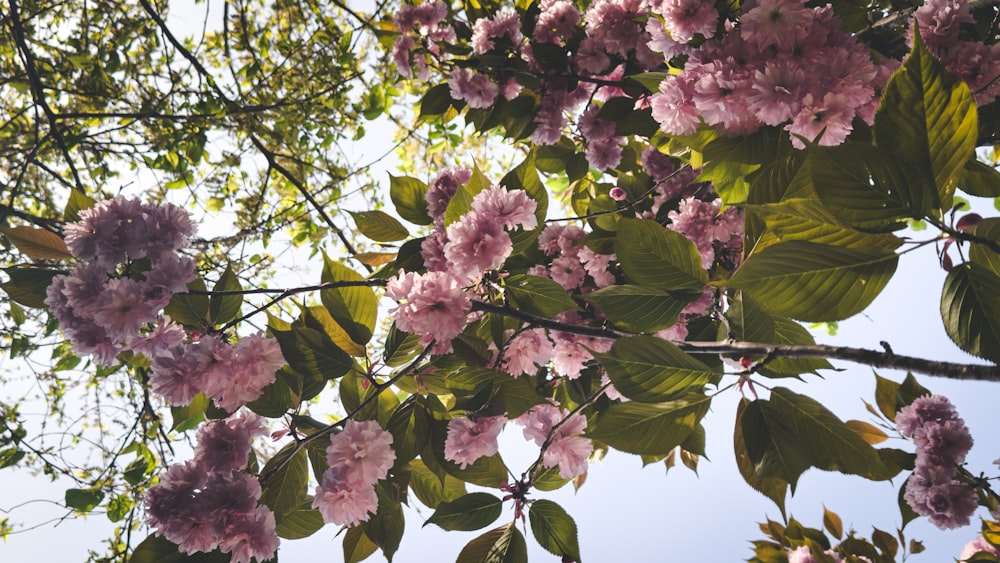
433 305
975 546
974 62
709 229
942 441
566 447
782 63
574 266
128 271
230 374
480 239
612 37
359 457
425 26
208 503
470 438
803 554
603 147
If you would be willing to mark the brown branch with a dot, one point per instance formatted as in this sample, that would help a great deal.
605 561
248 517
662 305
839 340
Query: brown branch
234 107
872 358
38 89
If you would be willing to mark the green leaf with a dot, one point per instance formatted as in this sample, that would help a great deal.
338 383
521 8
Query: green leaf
650 80
891 396
748 320
155 549
980 179
728 160
407 195
319 318
866 188
471 512
286 488
312 354
811 434
807 219
525 177
189 417
302 523
354 308
650 428
400 347
280 397
651 370
436 101
36 243
224 308
641 309
787 331
771 448
429 489
385 528
554 529
461 202
928 120
980 253
501 545
410 430
27 285
773 488
814 282
10 456
379 226
78 201
538 295
970 309
357 546
83 500
190 309
655 256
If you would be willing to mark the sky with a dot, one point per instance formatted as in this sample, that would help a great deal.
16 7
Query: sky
627 512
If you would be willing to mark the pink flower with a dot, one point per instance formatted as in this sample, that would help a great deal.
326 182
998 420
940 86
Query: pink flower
975 546
432 305
239 373
201 511
566 448
686 18
933 409
506 24
776 22
674 108
361 453
179 374
568 271
165 336
512 209
432 251
947 503
442 188
470 439
526 352
343 502
475 88
556 22
122 309
250 535
476 243
224 445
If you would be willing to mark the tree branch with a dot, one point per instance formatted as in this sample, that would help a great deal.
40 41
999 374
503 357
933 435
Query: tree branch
873 358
